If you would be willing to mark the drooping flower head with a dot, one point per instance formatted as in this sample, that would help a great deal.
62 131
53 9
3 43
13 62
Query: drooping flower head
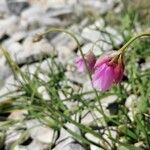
109 69
90 61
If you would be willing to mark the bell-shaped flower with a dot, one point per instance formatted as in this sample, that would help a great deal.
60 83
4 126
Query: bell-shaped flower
90 61
109 69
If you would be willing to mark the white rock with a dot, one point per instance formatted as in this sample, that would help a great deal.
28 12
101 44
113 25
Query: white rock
53 4
67 10
16 6
99 141
19 35
64 52
3 8
32 123
93 47
31 15
41 133
101 39
131 101
66 140
12 22
108 100
94 139
131 115
88 118
75 76
66 40
36 145
64 134
18 114
13 135
145 66
69 146
127 86
29 69
18 147
87 87
32 51
14 49
99 5
4 73
42 90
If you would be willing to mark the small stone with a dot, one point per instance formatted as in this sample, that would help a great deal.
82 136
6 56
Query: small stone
5 24
16 6
99 5
145 66
4 73
69 146
131 101
12 135
19 36
59 12
127 86
139 144
14 48
36 145
64 52
42 90
3 9
93 47
106 101
77 77
99 141
104 40
64 134
66 40
34 51
31 16
18 114
94 139
41 133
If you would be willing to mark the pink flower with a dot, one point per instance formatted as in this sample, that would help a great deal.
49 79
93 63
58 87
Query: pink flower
109 69
90 60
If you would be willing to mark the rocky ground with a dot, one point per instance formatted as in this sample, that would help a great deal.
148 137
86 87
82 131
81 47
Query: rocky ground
20 20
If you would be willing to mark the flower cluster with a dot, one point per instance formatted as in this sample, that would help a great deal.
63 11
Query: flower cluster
106 70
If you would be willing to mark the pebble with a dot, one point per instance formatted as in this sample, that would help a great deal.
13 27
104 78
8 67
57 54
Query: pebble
131 101
36 145
17 6
40 132
34 51
42 91
5 24
106 101
18 114
69 146
93 47
103 39
99 5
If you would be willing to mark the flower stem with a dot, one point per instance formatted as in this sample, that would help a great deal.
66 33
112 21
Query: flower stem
122 49
79 47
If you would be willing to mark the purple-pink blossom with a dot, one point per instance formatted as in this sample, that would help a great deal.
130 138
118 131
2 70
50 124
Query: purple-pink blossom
90 61
109 69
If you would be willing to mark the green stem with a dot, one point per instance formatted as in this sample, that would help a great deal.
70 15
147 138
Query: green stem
89 74
133 39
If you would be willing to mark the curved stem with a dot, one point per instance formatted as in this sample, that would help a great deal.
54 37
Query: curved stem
79 47
122 49
74 37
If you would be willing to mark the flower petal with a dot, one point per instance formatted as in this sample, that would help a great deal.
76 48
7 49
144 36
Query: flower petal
79 64
118 73
107 78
